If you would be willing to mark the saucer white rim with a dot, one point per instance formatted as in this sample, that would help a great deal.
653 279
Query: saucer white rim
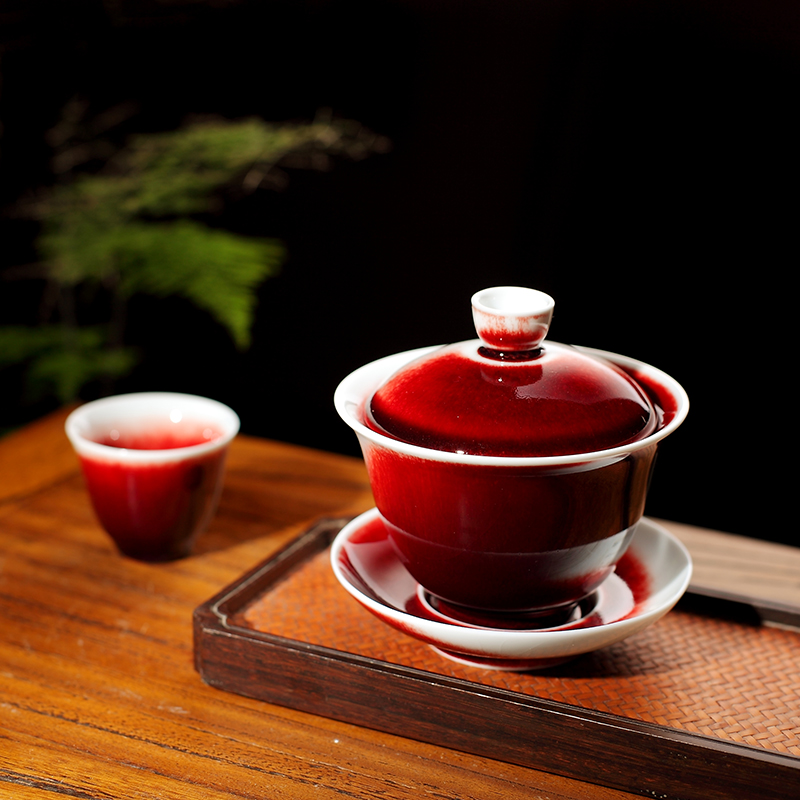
533 644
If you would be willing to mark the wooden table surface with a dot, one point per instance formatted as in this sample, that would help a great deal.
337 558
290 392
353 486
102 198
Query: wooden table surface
99 697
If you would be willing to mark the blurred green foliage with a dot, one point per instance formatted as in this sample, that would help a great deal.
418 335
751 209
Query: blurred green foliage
136 227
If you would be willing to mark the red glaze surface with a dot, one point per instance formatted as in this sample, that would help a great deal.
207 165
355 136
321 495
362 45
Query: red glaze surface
154 511
561 402
502 337
636 577
508 538
629 568
182 436
479 533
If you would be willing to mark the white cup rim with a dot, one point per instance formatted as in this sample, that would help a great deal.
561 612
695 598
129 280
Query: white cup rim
356 389
90 416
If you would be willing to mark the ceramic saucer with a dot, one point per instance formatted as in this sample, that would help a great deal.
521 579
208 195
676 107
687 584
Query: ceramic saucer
648 581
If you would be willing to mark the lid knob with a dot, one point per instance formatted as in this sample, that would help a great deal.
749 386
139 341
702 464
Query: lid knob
512 318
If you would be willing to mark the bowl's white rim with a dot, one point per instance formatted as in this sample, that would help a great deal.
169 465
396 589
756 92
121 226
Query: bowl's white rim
354 390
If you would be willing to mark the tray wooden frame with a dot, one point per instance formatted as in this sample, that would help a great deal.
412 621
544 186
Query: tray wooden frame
626 754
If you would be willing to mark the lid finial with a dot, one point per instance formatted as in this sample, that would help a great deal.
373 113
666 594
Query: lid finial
512 318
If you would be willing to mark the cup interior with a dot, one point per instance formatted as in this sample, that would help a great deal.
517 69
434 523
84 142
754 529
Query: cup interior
151 427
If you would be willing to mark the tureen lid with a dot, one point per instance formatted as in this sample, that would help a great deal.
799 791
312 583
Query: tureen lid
509 393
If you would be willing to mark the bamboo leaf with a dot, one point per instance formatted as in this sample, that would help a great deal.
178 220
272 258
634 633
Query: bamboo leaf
131 228
64 372
19 343
216 270
61 360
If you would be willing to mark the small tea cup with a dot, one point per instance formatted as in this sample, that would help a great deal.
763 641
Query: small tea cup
153 463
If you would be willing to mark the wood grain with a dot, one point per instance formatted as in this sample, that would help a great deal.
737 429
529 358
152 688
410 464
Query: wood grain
99 697
690 690
738 565
33 457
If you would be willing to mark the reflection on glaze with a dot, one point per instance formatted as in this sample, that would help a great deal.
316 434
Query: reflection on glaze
560 403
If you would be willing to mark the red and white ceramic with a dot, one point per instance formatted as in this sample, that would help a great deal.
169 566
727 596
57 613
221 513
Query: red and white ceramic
647 582
153 463
510 471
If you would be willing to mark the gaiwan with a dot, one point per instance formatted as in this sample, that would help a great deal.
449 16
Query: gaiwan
510 471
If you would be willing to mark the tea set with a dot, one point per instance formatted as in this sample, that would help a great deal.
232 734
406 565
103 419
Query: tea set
509 473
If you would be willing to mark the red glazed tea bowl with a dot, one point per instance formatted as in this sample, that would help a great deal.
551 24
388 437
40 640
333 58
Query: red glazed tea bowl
153 463
510 471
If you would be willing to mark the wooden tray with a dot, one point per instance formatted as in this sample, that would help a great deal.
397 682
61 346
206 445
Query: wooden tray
697 706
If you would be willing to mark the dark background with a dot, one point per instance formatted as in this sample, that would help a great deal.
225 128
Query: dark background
636 160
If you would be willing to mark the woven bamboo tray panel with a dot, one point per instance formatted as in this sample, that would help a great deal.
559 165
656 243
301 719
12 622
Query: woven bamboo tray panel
716 678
